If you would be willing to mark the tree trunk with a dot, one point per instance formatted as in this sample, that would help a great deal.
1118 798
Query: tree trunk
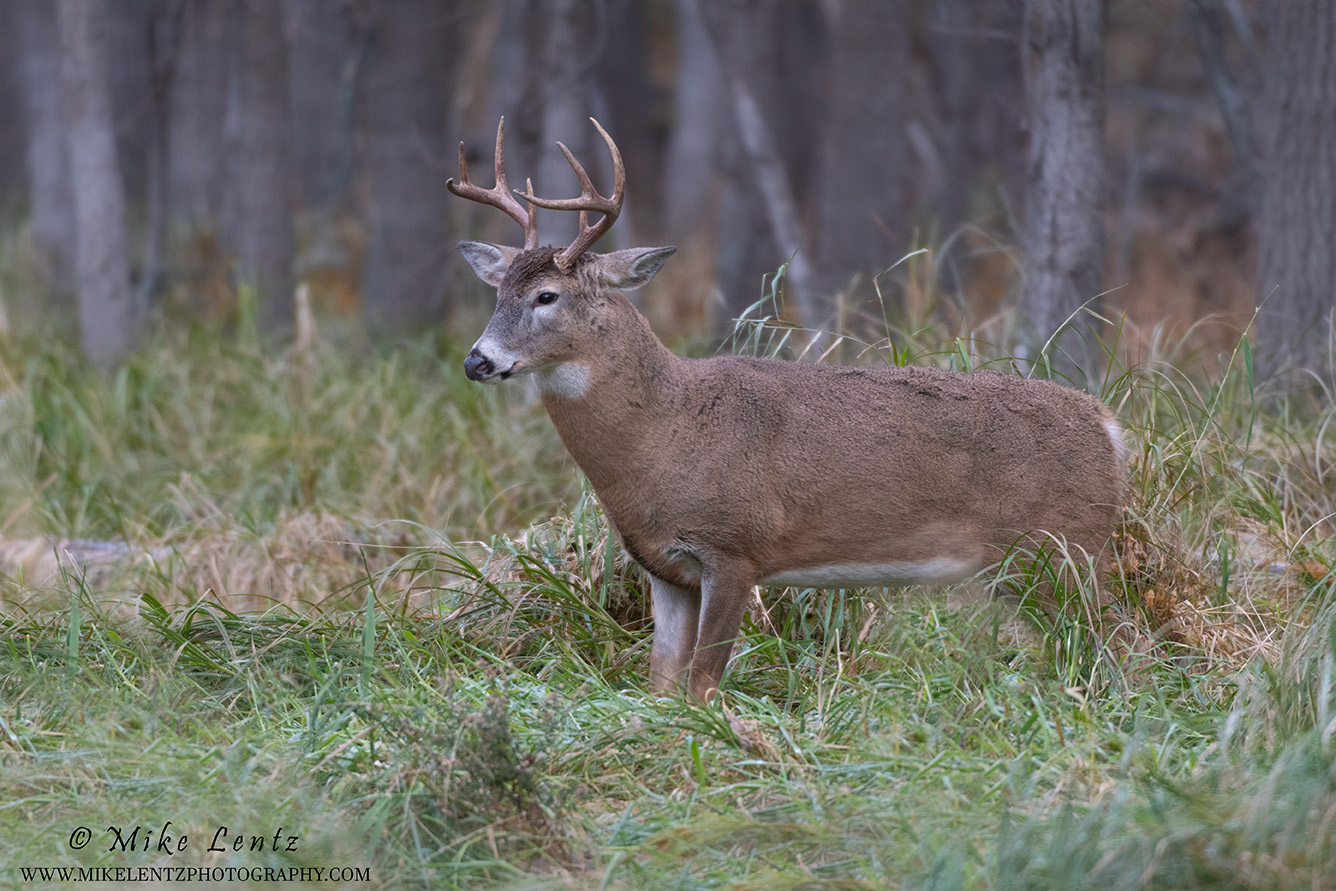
862 207
404 118
693 152
979 102
326 56
635 108
50 201
767 165
161 52
108 315
13 138
260 179
567 106
1064 208
197 167
746 37
516 85
1297 222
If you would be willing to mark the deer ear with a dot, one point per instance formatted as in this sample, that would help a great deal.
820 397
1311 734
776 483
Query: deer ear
489 261
634 267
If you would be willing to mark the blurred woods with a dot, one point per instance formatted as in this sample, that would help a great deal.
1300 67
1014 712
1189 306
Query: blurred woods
1173 160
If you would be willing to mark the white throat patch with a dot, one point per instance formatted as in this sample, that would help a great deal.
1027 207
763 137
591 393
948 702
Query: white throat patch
569 380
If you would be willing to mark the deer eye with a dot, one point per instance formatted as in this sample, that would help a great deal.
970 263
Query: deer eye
546 298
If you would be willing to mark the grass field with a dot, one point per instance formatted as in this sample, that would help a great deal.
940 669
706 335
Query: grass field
357 602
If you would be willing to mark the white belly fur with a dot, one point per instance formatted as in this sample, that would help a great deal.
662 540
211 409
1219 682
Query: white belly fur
941 570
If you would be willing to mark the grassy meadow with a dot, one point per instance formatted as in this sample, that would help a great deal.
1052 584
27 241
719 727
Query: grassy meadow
343 595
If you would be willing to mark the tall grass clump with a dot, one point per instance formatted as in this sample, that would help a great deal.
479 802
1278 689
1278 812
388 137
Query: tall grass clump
195 426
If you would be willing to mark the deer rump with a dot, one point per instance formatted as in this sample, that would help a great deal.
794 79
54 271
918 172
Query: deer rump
863 476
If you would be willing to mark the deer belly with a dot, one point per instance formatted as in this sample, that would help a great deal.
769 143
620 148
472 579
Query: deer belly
939 570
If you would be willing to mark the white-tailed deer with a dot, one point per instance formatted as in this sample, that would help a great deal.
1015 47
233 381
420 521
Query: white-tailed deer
720 474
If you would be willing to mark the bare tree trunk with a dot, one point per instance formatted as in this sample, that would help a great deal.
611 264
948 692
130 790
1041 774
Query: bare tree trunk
567 106
699 101
782 210
404 118
862 206
128 86
634 107
108 315
164 44
692 204
260 180
325 57
197 164
744 34
516 89
979 101
50 200
1297 223
956 82
13 136
1064 208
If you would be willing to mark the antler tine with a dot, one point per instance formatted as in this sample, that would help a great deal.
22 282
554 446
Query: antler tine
588 200
499 196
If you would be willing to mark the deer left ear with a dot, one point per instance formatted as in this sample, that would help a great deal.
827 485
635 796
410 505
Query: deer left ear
633 267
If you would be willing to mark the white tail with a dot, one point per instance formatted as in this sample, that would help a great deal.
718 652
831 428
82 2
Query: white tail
721 474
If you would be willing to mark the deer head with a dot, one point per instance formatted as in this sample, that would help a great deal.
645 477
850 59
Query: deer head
551 302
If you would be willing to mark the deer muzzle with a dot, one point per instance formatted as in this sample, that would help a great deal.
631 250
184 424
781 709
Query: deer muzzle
478 367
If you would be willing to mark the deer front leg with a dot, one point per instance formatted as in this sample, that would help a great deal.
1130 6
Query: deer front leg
676 615
725 588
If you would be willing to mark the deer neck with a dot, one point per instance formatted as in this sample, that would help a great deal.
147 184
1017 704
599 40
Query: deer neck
607 410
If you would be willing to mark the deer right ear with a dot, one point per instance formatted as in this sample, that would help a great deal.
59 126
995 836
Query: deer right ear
489 261
633 267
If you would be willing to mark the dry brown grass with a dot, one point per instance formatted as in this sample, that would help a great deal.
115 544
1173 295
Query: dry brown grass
308 561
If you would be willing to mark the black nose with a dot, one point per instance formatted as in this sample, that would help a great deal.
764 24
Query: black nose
478 367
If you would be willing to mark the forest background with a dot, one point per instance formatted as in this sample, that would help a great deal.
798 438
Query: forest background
157 154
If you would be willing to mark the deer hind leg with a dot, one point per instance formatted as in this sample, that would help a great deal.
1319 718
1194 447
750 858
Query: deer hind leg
676 617
726 587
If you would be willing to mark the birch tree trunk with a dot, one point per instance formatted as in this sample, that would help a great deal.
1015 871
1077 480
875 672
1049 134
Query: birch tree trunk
108 315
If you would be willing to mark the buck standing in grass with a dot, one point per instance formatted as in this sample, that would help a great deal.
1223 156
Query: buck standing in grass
720 474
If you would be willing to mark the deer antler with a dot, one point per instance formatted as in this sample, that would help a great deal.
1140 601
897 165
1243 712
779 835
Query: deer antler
498 196
589 200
